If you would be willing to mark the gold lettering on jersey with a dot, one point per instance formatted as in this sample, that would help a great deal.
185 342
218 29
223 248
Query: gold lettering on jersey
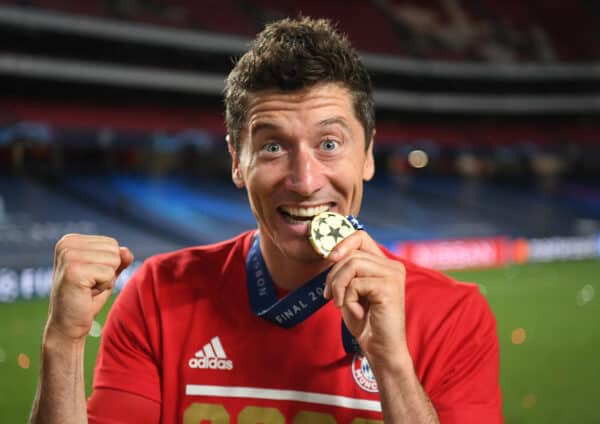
216 414
199 412
291 312
258 415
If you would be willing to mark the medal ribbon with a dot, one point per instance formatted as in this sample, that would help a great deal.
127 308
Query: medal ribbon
297 305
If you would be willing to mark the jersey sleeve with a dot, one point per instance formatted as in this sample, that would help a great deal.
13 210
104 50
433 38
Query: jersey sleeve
468 391
129 351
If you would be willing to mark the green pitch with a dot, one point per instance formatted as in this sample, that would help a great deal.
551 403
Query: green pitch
548 324
553 376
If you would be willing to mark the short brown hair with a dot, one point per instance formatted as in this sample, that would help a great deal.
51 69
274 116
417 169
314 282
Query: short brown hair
293 54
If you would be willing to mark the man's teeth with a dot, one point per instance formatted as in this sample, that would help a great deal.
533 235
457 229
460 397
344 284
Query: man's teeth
305 212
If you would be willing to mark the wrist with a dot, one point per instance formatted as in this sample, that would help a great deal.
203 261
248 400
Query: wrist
55 340
398 363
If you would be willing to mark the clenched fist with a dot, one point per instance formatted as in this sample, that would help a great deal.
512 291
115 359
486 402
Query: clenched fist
85 271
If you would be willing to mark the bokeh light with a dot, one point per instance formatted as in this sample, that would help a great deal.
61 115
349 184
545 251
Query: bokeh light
96 329
529 401
518 336
585 295
520 250
418 159
23 361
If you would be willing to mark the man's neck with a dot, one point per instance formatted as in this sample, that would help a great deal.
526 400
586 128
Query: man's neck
288 273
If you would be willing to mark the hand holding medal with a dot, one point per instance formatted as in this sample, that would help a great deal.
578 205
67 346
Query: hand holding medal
367 286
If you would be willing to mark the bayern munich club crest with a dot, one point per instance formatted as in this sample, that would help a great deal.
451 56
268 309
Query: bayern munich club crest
363 374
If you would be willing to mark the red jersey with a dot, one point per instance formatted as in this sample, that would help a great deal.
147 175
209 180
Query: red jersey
182 333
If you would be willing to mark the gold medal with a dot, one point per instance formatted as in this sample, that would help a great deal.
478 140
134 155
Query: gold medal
327 229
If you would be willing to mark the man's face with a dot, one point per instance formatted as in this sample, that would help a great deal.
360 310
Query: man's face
301 153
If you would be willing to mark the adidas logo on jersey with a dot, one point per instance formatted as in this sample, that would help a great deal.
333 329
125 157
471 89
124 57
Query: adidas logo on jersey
211 357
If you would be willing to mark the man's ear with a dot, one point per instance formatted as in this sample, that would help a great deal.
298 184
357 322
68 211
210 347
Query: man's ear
369 164
236 172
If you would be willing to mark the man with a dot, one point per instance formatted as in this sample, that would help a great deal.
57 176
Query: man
188 340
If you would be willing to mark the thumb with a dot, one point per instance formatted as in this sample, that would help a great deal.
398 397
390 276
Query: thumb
126 259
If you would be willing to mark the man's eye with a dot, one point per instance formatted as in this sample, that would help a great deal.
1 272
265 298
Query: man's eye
272 148
329 145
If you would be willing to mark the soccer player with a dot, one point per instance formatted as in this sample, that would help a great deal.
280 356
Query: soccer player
261 328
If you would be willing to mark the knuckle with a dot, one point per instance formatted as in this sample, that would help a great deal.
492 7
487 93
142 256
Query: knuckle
65 238
111 276
70 254
57 249
68 238
113 242
60 244
353 259
63 255
66 241
72 273
105 273
114 261
113 246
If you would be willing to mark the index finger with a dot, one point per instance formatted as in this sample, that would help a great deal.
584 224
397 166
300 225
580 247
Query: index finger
359 240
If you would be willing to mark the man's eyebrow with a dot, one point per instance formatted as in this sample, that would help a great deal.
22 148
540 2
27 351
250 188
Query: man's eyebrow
270 126
335 120
262 126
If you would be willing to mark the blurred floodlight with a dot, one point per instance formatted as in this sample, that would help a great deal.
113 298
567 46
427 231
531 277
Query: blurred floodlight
585 295
518 336
96 329
418 159
23 361
529 401
469 165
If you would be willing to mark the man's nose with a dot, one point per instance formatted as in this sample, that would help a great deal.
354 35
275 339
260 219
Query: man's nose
306 173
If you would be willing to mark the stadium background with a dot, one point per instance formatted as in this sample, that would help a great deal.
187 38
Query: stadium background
487 159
